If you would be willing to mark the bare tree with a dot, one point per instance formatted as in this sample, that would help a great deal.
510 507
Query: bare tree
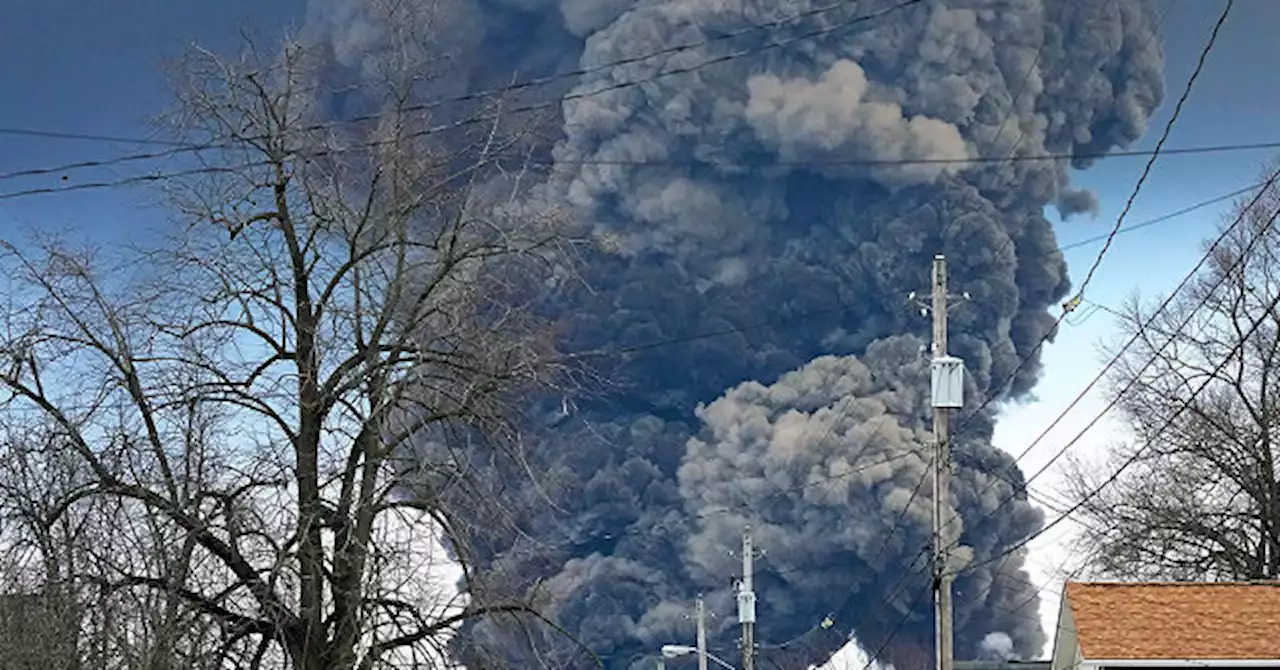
39 614
229 406
1201 500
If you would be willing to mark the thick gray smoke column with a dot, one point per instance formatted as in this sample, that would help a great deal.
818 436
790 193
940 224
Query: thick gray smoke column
762 189
823 463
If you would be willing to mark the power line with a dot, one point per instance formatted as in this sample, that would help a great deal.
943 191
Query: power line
783 492
871 660
571 162
1242 340
884 543
1168 129
130 181
1013 105
1004 473
1104 251
64 135
1020 609
1036 61
1115 359
840 307
1137 189
1166 217
1137 453
893 590
700 516
734 330
1079 295
1013 102
622 85
897 523
1013 150
196 147
886 600
466 97
875 162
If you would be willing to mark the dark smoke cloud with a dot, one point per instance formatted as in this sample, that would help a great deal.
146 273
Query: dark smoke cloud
1072 202
772 201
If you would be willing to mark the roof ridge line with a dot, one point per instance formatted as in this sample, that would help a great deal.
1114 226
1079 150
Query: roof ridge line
1255 582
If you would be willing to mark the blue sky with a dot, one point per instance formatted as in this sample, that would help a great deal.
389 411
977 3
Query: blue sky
1234 102
98 68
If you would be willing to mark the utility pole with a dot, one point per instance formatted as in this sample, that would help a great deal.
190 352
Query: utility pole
747 603
702 634
941 463
947 390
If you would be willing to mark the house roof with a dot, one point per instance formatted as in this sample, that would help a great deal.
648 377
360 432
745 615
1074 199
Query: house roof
1165 620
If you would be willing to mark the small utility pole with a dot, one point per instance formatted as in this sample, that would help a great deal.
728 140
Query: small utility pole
947 387
747 603
702 634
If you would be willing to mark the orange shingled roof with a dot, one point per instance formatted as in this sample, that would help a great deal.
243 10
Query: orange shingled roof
1165 620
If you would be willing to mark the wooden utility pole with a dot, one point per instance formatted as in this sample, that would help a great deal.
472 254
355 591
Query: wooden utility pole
947 386
701 615
747 603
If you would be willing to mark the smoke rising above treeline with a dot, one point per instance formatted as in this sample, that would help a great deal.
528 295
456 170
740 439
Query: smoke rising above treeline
797 194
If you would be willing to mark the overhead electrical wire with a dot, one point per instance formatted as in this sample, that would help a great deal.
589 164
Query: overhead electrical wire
791 491
1119 225
734 330
1004 122
873 656
1242 340
1134 457
896 524
1026 77
1115 359
887 600
1137 189
1013 103
522 109
613 352
570 162
1108 240
880 162
67 135
1120 220
897 628
1168 129
1097 262
466 97
829 620
1163 218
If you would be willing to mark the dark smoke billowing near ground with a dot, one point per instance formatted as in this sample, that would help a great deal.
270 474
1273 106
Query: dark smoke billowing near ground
770 195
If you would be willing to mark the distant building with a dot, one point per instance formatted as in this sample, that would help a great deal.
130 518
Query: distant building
1164 625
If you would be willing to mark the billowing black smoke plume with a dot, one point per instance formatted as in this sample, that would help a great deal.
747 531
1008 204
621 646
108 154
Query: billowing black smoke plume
768 194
